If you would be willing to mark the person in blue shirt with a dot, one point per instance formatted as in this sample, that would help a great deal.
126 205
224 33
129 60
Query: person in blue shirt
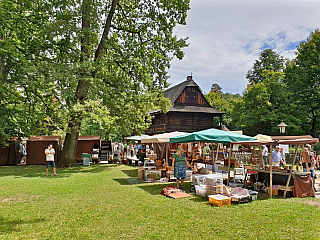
277 157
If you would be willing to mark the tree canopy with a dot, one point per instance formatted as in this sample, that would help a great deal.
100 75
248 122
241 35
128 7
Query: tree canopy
303 81
100 62
268 60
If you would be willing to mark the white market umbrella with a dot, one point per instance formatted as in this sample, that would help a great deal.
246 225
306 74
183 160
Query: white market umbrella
161 138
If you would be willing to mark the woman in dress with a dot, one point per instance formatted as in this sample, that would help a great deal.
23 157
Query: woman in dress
179 164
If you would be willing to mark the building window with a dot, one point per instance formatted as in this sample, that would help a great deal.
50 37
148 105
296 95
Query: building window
199 121
183 121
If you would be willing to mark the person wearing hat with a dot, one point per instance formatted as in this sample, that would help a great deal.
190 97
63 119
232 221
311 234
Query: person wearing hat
179 165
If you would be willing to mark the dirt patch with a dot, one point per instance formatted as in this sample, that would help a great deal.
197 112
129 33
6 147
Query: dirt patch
310 202
20 198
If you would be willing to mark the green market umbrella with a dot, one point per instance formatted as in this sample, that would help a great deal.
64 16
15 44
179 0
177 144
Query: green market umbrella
214 136
211 135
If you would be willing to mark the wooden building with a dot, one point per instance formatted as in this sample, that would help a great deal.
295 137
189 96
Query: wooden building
190 111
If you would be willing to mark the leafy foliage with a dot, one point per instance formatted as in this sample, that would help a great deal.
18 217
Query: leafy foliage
261 109
303 81
102 63
223 102
268 60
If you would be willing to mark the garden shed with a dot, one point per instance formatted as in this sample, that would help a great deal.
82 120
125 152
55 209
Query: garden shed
9 155
86 144
36 145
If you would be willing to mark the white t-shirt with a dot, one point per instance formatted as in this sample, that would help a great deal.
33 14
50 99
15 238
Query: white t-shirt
265 152
49 154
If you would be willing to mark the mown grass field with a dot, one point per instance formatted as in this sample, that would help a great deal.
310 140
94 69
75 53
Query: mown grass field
97 202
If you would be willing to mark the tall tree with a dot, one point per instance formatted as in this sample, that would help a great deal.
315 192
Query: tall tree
303 81
103 60
26 88
263 105
223 102
268 60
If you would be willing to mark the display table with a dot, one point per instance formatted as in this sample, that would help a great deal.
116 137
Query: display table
284 179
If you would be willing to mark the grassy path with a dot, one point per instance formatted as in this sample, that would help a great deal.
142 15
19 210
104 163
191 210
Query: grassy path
97 202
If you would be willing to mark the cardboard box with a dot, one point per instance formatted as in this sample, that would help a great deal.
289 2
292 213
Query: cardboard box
152 176
141 174
156 172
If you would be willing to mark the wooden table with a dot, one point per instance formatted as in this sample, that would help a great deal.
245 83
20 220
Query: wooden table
286 187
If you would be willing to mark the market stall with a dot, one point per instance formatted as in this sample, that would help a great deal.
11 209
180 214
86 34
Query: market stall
162 142
86 144
9 154
36 145
273 171
212 136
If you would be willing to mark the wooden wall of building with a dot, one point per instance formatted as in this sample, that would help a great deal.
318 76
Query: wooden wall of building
193 97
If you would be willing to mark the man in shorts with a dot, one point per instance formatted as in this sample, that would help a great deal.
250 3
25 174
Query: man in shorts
49 152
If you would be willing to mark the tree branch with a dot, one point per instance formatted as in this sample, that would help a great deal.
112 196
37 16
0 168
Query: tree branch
106 30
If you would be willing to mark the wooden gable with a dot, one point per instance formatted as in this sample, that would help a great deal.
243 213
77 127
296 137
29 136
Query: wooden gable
192 96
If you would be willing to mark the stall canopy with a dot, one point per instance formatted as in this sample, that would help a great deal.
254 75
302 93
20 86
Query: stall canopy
211 135
137 138
262 137
162 138
162 142
86 144
36 146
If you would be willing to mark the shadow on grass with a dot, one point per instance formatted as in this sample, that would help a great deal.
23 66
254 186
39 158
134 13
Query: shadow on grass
10 226
199 199
122 181
133 173
40 171
155 189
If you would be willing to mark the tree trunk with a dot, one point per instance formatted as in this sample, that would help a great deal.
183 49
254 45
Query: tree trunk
69 149
70 142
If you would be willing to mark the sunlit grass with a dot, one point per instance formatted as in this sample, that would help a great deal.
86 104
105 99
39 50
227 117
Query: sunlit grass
97 202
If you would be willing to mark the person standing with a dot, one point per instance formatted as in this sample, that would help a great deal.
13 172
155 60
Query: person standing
179 165
49 152
277 158
311 164
265 155
24 154
206 151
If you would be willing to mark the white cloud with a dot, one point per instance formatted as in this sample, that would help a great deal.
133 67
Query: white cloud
227 36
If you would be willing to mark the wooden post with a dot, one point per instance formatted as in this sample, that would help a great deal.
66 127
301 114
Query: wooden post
270 163
167 153
214 158
229 164
295 156
288 181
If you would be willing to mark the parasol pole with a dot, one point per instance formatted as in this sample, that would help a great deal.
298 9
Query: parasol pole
229 164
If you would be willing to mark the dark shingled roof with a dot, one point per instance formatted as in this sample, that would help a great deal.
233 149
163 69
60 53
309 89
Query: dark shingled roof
174 92
196 109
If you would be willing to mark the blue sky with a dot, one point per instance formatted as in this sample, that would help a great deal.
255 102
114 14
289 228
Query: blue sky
226 37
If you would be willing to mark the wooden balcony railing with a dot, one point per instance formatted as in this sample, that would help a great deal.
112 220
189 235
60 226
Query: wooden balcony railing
155 129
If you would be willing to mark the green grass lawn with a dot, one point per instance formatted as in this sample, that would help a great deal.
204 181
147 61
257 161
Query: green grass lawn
97 202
